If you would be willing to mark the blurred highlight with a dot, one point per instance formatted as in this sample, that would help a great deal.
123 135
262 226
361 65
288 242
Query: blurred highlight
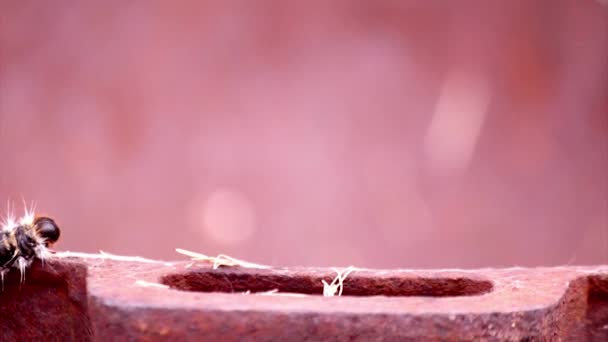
457 121
228 217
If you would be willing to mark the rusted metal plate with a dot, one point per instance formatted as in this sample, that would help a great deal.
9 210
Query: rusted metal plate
51 305
122 300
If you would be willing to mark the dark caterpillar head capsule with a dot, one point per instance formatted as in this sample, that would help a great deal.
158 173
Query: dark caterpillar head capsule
47 229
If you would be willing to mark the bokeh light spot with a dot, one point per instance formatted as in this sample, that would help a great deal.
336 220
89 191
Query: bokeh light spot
228 217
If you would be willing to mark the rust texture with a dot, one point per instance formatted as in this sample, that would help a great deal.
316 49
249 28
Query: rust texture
51 302
103 300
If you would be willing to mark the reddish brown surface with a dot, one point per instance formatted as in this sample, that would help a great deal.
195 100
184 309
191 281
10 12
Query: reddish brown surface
504 304
51 302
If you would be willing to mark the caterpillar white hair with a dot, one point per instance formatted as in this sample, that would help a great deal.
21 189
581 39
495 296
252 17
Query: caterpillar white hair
25 239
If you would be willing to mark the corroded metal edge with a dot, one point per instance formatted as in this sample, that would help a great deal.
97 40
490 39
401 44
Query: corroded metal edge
104 299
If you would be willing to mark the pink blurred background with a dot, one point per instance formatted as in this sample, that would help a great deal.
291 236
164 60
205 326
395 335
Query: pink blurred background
372 133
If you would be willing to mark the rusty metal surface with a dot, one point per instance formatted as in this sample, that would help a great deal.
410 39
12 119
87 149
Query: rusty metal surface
122 300
50 305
